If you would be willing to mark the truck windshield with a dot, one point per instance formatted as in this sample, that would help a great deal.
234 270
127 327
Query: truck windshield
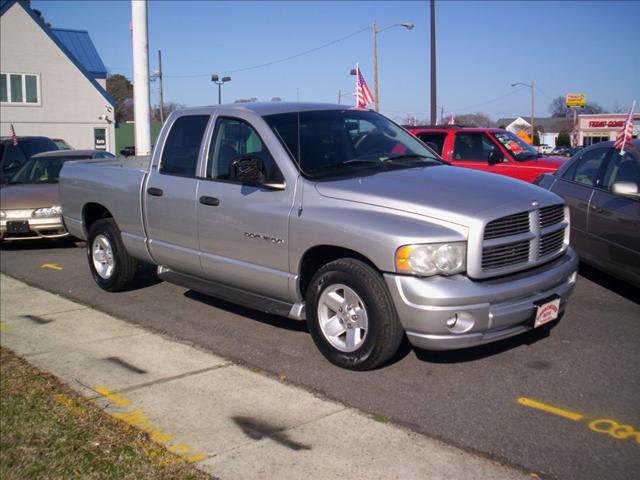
518 148
336 142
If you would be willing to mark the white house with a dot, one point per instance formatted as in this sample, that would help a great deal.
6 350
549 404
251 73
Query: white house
52 82
548 128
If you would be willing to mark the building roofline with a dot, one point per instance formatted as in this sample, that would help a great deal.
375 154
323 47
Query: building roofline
70 30
59 44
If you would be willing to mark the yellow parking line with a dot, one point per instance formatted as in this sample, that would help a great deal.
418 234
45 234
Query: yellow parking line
528 402
52 266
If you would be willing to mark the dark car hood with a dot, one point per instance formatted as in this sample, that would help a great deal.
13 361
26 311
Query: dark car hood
458 195
29 195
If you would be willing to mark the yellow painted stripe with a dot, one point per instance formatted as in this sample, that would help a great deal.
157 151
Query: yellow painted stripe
112 397
528 402
52 266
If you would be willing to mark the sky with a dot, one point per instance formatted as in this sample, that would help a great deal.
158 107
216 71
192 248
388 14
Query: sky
590 47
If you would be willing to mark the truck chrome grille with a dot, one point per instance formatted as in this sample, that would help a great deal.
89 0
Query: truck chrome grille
551 243
505 226
504 255
523 239
551 215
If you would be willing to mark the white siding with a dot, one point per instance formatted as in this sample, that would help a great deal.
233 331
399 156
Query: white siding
69 104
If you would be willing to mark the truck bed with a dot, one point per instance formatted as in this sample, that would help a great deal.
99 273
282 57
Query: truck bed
114 183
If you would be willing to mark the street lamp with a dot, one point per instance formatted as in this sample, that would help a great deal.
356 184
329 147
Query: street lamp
215 79
532 87
375 31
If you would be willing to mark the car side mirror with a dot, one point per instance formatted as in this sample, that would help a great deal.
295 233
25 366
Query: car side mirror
625 189
248 170
495 157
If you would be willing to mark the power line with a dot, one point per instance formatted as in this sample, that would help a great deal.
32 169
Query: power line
261 65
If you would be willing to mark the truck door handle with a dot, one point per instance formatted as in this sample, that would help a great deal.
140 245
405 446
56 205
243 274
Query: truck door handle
597 209
156 192
211 201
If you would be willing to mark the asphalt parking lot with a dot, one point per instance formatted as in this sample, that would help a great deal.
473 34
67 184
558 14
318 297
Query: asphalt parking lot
561 402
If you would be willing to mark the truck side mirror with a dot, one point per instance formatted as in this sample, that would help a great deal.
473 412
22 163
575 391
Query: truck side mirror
495 157
248 170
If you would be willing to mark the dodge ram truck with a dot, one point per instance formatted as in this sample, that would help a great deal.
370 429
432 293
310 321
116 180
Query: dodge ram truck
332 215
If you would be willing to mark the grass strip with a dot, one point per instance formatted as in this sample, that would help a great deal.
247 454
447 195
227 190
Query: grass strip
49 431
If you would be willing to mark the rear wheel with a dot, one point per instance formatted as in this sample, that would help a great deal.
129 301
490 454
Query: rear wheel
351 316
113 269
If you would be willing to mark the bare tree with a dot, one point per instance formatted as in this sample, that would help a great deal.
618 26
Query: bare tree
411 120
558 108
168 108
473 120
276 99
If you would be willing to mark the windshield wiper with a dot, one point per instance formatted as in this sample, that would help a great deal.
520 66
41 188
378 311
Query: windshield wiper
405 156
344 162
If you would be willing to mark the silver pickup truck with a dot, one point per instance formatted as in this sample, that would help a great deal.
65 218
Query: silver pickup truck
333 215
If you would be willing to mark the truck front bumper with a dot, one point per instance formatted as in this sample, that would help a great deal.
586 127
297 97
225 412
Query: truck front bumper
480 311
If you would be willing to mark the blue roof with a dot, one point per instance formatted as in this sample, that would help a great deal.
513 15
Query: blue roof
80 45
5 5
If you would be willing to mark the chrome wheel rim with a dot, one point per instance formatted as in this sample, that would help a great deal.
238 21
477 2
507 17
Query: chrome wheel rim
343 317
102 256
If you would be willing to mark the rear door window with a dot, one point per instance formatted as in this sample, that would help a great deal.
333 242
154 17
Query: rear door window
622 168
434 139
181 149
472 146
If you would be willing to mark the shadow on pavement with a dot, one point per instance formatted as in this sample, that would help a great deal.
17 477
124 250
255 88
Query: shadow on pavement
613 284
269 319
483 351
41 244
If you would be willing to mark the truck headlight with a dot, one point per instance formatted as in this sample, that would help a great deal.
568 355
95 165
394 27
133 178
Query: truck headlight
432 259
3 214
48 212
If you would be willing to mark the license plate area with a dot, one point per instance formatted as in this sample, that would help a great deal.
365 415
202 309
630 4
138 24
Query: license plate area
547 310
18 227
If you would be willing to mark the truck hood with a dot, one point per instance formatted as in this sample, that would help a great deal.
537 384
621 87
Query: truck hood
453 194
29 195
552 163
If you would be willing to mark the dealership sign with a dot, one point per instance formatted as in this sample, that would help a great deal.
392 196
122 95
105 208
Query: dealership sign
576 100
604 123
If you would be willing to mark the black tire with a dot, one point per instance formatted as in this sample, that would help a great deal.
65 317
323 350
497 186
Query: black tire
124 265
384 333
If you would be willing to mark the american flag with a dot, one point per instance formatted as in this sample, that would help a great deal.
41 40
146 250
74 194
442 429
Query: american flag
14 138
363 94
626 132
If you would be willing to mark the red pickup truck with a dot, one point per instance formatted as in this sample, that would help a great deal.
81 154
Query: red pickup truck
488 149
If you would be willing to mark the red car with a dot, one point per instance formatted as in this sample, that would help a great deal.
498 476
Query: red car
488 149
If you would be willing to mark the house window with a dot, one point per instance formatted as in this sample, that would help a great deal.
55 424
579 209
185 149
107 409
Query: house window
19 88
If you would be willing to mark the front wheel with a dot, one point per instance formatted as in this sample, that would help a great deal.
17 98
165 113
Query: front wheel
113 269
351 316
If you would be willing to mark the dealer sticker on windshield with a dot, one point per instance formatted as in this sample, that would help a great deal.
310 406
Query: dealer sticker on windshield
547 312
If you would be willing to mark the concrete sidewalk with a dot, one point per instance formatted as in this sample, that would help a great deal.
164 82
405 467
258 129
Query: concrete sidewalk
230 421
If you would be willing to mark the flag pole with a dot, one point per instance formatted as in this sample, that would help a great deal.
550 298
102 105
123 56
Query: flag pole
626 123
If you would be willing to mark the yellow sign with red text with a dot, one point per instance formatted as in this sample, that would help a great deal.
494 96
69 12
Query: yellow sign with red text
576 100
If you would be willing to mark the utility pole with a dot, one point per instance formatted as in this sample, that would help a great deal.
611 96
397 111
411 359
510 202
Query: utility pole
433 63
161 92
141 107
442 114
533 94
532 86
375 64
